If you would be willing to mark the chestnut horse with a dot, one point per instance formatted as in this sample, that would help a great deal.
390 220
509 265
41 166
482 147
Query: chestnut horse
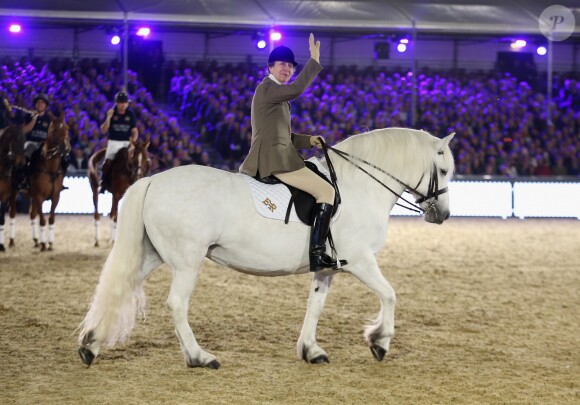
129 165
11 158
45 177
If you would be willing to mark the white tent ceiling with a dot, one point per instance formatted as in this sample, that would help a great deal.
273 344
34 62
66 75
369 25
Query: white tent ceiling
480 16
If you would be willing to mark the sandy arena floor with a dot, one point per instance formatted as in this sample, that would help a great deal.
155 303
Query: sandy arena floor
487 313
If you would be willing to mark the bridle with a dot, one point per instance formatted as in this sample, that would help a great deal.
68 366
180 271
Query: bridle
58 150
137 171
433 190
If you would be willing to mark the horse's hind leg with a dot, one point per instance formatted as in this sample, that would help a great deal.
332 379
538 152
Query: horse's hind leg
12 227
184 278
379 334
96 215
307 347
2 219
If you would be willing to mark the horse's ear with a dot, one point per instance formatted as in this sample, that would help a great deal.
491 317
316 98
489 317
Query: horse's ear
445 141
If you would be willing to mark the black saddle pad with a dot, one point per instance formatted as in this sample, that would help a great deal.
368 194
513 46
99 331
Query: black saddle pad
303 201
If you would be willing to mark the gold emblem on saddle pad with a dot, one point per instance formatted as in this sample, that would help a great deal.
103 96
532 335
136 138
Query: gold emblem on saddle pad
271 206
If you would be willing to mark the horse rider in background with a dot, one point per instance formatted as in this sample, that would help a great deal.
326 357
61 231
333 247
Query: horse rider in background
273 148
6 113
35 128
121 125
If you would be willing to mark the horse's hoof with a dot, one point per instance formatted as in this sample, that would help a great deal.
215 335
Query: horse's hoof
50 246
35 243
323 358
86 355
96 244
2 248
11 244
43 247
378 352
214 365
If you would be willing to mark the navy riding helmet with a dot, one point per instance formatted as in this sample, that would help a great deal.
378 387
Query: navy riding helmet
282 54
121 97
40 96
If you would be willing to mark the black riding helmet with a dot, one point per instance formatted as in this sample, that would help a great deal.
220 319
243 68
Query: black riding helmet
121 97
40 96
282 54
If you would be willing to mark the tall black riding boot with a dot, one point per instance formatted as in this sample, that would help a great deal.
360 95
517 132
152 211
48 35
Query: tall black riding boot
319 260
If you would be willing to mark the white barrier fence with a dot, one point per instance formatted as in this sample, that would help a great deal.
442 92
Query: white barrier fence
468 198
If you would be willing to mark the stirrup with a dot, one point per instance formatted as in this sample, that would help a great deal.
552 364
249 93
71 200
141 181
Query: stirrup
326 262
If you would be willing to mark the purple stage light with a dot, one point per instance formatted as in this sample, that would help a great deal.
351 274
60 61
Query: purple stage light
404 41
115 39
143 32
401 48
275 36
15 28
541 50
261 44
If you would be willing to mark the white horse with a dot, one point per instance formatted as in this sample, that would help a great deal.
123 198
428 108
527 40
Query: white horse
185 214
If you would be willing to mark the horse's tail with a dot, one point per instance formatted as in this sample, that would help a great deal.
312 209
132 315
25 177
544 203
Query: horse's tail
119 296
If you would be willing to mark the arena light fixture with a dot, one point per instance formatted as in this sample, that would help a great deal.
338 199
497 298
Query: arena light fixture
144 32
260 40
518 44
541 50
115 40
401 47
404 41
275 35
15 28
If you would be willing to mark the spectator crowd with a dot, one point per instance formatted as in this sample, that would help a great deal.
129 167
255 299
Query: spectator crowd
500 122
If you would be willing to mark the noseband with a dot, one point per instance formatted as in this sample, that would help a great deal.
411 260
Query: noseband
433 191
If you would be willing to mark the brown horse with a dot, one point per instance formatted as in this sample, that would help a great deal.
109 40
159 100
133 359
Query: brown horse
129 165
45 177
11 158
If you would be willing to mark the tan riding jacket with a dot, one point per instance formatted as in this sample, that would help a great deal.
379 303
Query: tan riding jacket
274 145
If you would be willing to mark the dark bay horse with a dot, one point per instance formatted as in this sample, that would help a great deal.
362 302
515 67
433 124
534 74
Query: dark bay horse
129 165
11 158
45 176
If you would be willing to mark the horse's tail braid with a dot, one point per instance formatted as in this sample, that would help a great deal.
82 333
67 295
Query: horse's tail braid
119 296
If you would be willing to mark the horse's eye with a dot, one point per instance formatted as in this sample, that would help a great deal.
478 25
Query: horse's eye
444 172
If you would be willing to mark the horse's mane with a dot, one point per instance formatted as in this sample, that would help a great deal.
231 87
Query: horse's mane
401 152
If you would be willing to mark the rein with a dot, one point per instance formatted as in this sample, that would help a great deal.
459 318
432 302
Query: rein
432 192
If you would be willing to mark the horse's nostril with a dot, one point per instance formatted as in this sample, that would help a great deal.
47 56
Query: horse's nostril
447 216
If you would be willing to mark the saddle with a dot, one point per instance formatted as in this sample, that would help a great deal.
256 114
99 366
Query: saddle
302 201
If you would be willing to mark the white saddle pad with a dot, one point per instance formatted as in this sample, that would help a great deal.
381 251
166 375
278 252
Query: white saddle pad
271 200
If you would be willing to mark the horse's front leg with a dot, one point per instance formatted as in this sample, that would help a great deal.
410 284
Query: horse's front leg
42 225
114 210
381 332
51 219
307 348
34 220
